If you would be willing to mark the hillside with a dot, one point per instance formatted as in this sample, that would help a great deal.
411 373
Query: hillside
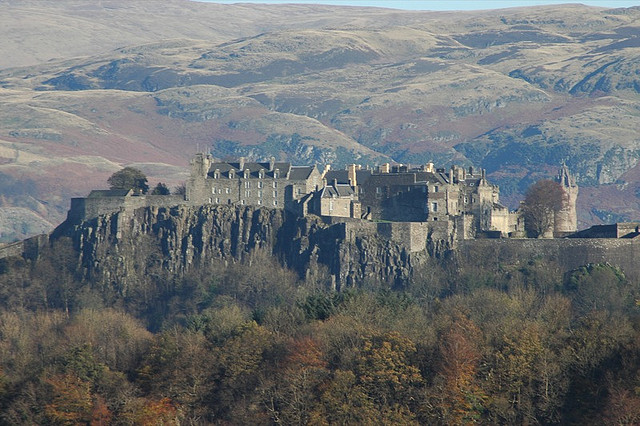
242 315
515 91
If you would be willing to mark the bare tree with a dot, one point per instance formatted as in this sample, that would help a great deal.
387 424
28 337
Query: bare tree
543 200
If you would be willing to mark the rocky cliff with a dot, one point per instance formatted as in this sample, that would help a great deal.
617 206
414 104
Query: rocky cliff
118 250
115 249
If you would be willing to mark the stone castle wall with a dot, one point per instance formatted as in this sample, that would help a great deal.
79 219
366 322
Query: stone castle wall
567 254
28 249
87 208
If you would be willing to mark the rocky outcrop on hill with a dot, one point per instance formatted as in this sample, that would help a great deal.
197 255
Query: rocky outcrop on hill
117 249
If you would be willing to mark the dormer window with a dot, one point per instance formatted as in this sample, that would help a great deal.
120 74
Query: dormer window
261 174
231 174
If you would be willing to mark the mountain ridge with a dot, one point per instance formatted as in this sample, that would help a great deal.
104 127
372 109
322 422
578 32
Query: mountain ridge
515 91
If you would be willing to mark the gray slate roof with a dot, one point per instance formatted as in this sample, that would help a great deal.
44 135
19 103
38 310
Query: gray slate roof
101 193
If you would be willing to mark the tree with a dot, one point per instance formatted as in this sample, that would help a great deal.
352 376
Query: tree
160 189
543 200
129 178
180 189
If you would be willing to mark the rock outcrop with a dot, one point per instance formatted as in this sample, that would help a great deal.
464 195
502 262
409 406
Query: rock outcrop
117 248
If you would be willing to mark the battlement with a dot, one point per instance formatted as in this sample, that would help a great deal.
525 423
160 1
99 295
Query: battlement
93 206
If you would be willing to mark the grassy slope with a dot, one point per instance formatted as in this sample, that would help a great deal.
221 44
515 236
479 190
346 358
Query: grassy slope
516 91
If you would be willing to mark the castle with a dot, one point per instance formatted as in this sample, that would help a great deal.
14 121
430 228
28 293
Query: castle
457 203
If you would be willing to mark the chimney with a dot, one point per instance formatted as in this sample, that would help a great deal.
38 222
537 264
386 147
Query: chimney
272 163
325 171
352 175
385 168
429 168
241 161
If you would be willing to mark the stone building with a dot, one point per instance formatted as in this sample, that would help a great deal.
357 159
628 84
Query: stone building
566 220
427 194
458 203
335 200
269 184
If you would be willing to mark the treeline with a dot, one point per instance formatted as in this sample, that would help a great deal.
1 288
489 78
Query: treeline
250 343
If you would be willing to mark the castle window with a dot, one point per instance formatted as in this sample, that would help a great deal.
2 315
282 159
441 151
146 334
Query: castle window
213 190
435 188
247 193
259 193
275 194
242 202
466 200
216 175
299 191
259 184
259 202
434 207
247 184
217 200
226 190
275 175
275 184
378 190
275 202
330 205
209 200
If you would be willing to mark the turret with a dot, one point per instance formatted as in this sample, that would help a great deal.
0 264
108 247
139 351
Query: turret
566 220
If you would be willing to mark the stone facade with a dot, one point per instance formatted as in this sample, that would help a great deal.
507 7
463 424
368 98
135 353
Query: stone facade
463 199
269 184
427 194
566 220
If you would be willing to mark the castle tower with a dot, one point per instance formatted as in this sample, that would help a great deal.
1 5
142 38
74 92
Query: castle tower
566 220
196 191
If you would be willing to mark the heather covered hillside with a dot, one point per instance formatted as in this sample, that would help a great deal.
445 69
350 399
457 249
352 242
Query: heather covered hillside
515 91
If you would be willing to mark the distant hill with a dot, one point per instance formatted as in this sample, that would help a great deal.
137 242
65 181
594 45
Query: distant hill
89 87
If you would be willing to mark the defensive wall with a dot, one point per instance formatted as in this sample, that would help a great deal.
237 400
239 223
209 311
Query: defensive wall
567 253
413 236
28 249
87 208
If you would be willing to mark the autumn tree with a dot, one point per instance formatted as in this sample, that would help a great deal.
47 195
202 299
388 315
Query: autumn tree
129 178
543 200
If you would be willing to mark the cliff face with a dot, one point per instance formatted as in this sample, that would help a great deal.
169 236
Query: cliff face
118 248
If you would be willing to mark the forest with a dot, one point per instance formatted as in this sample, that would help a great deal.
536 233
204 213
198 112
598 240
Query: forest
252 343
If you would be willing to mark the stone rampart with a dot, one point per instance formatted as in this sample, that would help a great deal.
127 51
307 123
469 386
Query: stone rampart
12 250
88 208
28 249
568 254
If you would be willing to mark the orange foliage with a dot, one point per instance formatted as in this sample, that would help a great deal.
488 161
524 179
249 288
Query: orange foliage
305 354
459 354
157 412
72 402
